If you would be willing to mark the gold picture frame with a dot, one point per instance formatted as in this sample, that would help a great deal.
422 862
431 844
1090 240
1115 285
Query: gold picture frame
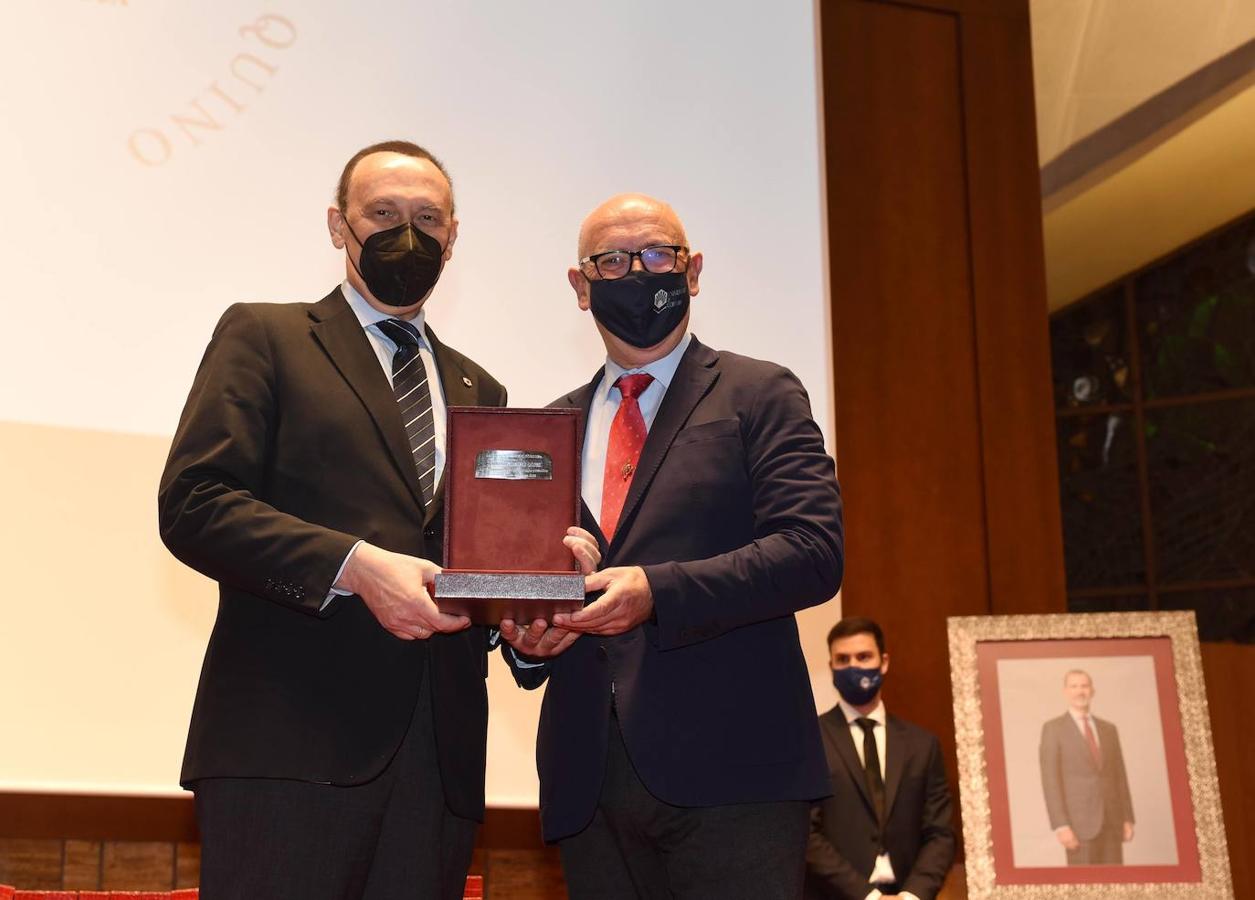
1012 662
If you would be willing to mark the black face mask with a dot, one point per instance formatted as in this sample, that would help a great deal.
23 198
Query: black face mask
640 308
399 265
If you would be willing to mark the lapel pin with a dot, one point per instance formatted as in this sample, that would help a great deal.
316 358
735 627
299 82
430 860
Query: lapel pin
466 381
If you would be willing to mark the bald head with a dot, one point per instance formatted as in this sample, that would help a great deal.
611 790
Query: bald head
632 223
630 212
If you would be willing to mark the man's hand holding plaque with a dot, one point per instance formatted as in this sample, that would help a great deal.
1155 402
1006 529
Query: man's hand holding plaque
394 587
626 601
539 639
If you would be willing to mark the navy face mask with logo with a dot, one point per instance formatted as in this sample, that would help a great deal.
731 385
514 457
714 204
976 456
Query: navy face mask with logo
857 686
640 308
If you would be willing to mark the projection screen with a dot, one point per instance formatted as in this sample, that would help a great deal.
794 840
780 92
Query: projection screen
164 160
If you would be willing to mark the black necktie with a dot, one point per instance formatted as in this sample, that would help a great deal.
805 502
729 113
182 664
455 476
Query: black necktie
409 383
871 767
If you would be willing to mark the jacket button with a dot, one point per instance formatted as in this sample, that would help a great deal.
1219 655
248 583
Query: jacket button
429 532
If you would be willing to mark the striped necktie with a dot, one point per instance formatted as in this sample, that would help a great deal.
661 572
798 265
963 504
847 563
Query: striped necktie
409 383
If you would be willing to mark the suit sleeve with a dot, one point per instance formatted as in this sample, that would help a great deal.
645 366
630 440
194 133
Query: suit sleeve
528 674
796 558
1051 781
936 849
826 867
210 514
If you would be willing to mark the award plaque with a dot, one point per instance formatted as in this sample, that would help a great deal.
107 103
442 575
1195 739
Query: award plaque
512 489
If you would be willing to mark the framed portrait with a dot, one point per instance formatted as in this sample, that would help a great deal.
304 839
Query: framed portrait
1085 757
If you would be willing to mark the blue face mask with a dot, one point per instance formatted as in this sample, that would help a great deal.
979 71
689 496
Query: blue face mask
857 686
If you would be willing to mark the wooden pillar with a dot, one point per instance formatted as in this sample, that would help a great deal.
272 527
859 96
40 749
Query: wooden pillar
944 423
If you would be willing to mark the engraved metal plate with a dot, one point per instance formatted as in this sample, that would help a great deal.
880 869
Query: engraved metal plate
514 465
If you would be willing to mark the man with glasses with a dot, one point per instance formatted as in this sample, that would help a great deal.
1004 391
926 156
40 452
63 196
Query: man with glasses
678 747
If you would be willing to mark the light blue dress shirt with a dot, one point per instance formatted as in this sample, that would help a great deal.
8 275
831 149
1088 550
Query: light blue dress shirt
606 400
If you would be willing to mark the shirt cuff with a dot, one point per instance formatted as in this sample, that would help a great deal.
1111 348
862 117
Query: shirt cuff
908 895
335 591
874 895
519 661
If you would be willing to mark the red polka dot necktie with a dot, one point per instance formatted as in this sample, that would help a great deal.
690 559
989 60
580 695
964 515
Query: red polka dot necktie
627 437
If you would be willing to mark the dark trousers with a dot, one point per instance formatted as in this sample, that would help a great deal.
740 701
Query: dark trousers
1105 849
272 839
639 848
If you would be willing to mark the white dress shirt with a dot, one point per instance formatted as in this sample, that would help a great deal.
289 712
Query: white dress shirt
606 400
882 871
1079 720
384 348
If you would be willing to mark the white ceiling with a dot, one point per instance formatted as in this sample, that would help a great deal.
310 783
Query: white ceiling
1094 60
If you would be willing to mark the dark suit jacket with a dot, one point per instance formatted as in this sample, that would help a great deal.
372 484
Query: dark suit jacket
845 836
1078 793
289 450
735 515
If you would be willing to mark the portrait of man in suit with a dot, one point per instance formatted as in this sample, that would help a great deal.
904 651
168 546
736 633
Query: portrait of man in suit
678 749
338 738
885 831
1084 781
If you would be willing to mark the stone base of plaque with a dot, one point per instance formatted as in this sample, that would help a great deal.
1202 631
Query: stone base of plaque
488 597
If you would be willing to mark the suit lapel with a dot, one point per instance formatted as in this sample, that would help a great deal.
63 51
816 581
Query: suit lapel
693 378
341 336
896 752
837 733
459 389
583 401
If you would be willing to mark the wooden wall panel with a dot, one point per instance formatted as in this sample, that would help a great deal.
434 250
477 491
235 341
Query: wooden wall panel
1229 670
137 866
68 842
911 402
31 863
186 865
1023 527
82 864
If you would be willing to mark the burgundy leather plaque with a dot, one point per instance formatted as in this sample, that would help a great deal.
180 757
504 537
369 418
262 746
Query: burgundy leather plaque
512 488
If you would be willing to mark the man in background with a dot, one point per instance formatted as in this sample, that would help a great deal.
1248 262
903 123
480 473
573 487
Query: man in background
885 831
1084 781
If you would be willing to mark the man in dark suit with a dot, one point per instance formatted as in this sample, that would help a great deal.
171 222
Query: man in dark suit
678 749
885 831
1084 780
338 738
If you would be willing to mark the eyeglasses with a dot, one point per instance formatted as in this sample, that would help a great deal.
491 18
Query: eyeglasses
615 264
